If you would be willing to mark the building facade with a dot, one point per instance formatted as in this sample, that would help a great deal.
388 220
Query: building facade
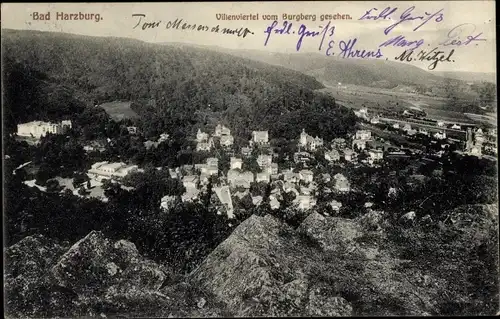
106 170
260 138
308 142
39 129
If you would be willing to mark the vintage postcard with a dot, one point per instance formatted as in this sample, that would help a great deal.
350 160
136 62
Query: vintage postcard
248 159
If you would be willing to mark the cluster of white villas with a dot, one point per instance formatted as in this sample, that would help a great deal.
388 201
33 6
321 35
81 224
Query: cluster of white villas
205 142
239 181
37 129
363 113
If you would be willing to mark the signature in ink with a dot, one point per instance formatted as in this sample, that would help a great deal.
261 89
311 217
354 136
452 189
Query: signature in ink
462 34
384 14
401 41
347 50
407 15
434 55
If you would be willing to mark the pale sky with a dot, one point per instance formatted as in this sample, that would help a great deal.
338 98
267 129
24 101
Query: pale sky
117 20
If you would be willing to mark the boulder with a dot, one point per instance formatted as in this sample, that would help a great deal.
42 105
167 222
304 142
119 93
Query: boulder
253 271
84 267
28 287
332 234
372 220
322 268
323 304
45 279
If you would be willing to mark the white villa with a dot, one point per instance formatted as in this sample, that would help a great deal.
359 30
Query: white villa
423 131
167 201
349 155
212 161
440 135
224 196
363 135
201 136
479 136
341 183
38 128
306 175
221 130
339 143
290 176
273 169
407 127
235 163
226 140
260 138
332 156
204 141
205 146
304 202
472 145
237 178
274 202
246 151
375 120
359 144
190 181
264 160
376 155
132 129
308 142
224 135
363 113
335 205
263 177
207 169
106 170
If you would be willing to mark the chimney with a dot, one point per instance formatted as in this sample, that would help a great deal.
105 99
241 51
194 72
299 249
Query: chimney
469 134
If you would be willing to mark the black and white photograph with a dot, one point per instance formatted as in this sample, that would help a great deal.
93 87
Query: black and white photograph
249 159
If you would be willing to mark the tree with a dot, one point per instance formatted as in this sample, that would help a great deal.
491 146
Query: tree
487 93
78 179
52 186
82 191
250 164
43 174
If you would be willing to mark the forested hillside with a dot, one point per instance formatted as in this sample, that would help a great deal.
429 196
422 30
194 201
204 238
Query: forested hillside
349 71
52 74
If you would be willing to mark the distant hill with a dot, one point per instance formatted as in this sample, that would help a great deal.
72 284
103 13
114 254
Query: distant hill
455 86
470 76
169 86
374 73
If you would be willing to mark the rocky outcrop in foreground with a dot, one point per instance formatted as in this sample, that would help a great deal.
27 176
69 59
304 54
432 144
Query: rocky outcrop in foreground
327 267
95 276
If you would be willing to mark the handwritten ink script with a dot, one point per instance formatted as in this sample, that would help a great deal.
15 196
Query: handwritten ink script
407 15
462 35
180 24
434 55
415 47
348 48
